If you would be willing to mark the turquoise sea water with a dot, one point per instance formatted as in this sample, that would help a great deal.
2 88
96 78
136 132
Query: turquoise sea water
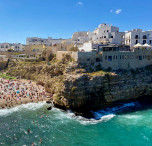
60 128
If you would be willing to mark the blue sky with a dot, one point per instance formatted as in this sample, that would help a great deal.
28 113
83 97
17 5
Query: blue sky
60 18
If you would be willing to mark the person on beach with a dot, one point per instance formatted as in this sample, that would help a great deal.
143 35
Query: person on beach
16 92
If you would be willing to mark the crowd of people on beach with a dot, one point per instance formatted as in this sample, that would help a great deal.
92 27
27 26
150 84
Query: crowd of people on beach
15 92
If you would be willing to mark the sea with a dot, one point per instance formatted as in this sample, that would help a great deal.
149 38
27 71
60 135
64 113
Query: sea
129 124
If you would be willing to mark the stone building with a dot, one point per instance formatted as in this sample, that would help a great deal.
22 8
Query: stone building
107 34
4 47
41 41
80 37
138 36
8 46
113 57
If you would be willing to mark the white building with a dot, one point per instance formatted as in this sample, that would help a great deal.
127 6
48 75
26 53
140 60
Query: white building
7 46
80 37
17 47
40 41
89 47
138 36
107 34
4 47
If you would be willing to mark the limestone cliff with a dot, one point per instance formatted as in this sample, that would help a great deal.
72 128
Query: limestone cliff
87 91
74 88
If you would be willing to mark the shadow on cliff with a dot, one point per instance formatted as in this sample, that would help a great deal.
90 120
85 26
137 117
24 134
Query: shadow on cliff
142 103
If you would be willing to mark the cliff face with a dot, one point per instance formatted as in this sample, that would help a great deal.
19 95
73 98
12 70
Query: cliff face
74 88
86 92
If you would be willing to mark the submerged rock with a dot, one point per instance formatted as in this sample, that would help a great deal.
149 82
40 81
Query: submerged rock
49 108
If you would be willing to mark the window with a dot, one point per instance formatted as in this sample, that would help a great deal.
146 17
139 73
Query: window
136 36
144 37
97 59
111 36
88 59
150 41
109 58
107 30
136 41
104 36
144 41
140 57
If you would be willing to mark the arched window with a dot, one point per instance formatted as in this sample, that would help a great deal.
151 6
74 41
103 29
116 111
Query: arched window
144 37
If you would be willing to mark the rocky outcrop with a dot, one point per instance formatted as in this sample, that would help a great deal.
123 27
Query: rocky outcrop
72 87
86 92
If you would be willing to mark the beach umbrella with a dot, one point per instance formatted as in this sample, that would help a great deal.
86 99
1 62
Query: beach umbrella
17 91
147 46
138 46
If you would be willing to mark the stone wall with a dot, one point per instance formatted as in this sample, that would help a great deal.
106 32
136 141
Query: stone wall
112 59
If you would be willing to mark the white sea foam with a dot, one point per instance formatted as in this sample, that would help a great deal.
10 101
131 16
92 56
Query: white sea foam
29 106
131 116
100 116
64 116
104 118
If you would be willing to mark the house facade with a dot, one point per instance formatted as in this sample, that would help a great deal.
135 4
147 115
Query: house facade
15 47
41 41
138 36
107 34
113 57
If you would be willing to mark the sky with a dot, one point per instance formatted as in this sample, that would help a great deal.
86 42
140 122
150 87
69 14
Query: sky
60 18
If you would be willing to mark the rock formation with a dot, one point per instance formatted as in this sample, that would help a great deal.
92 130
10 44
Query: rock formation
74 88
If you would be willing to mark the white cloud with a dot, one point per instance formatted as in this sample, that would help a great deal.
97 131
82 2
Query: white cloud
79 3
111 11
118 11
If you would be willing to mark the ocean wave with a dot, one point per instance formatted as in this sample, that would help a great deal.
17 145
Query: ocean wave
103 115
104 118
108 111
131 116
69 115
29 106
